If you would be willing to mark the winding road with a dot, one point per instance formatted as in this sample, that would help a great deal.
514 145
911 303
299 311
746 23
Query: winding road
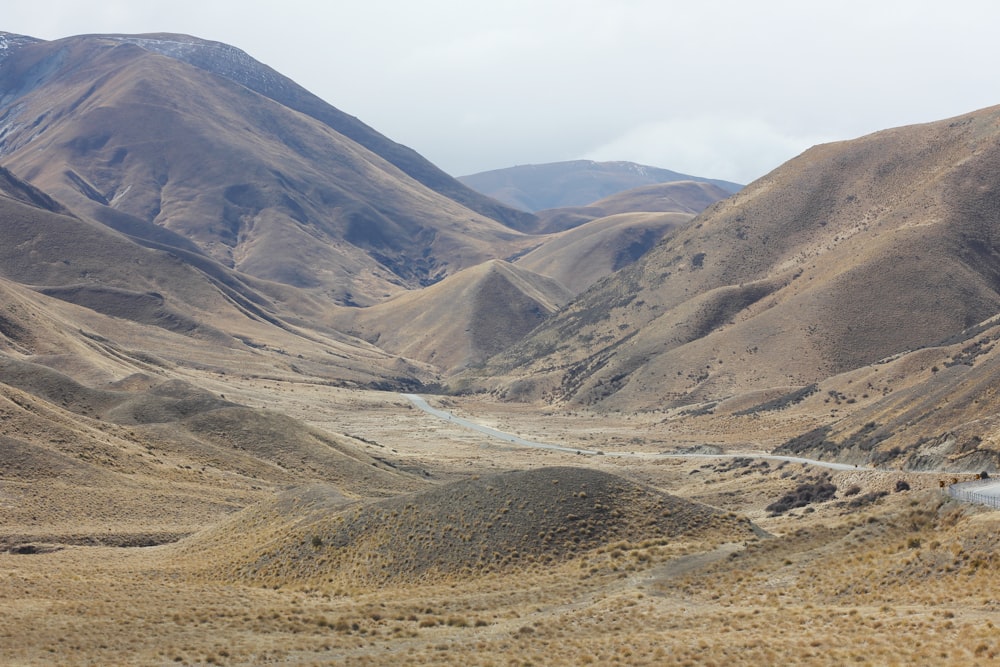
981 492
419 402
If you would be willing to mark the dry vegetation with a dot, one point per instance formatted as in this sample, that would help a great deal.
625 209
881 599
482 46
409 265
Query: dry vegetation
597 560
198 466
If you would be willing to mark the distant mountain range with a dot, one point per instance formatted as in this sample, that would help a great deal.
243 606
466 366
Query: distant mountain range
536 187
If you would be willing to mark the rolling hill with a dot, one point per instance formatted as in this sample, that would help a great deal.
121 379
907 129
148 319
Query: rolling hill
581 256
689 197
536 187
498 523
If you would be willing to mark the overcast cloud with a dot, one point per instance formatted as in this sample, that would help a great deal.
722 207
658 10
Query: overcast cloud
722 89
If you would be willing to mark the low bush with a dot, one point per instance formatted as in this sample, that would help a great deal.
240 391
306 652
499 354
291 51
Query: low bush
804 494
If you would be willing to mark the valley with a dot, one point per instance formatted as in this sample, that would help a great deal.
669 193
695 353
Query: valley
274 389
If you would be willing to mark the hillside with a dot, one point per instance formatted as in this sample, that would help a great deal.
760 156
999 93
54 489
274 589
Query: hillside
462 320
688 197
99 299
97 122
146 459
579 257
230 62
536 187
850 253
930 409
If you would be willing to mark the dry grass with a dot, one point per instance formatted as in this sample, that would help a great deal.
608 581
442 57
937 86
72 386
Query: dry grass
833 591
194 471
833 584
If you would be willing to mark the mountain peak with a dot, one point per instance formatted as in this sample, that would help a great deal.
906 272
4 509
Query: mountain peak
11 42
199 138
538 187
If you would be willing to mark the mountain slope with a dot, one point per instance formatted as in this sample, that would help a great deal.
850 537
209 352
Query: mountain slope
232 63
689 197
580 256
847 254
535 187
97 298
931 409
102 124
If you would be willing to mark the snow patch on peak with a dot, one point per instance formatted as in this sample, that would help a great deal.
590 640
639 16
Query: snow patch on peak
10 42
215 57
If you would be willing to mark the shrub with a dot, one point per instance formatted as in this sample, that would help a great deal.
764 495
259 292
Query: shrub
866 499
902 485
804 494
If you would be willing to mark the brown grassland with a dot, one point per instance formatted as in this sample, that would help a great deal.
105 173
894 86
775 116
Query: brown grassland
838 581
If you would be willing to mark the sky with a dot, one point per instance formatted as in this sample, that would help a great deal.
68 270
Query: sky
725 89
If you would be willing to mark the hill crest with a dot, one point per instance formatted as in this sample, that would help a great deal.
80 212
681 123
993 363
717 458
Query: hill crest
537 187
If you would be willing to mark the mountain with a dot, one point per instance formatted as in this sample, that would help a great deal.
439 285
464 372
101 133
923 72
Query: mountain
847 254
130 137
462 320
183 232
536 187
690 197
232 63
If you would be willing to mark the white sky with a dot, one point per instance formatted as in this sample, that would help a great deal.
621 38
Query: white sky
716 88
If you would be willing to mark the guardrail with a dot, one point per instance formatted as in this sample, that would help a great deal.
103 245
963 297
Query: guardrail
964 491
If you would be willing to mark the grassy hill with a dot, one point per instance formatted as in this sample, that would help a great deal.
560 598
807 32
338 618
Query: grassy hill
470 528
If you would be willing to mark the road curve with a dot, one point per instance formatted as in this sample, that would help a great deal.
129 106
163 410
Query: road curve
492 432
419 402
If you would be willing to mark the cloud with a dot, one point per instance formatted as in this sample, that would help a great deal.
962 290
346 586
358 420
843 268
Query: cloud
730 148
724 88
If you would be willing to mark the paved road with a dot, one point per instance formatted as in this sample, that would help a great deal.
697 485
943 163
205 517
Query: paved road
513 439
984 492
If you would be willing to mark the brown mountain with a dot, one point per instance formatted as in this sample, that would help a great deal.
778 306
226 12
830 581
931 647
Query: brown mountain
588 243
133 138
535 187
86 297
462 320
232 63
850 253
689 197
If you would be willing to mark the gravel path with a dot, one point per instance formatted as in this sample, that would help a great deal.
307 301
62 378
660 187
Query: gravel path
419 402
